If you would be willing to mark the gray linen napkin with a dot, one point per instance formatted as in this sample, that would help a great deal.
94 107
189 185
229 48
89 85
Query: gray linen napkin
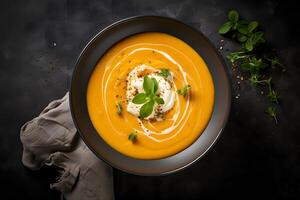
51 139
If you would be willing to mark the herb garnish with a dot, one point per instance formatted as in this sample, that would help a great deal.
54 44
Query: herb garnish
132 137
149 98
164 73
232 24
185 90
251 57
119 108
243 31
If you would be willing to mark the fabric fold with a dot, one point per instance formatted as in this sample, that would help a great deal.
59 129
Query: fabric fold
51 139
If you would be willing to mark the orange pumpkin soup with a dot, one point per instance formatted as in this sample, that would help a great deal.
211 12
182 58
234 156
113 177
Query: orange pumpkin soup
163 72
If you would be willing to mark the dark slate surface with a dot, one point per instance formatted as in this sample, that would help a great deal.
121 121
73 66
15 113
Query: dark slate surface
254 157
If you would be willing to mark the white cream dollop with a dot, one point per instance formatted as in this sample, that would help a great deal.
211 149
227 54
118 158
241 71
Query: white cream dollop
135 86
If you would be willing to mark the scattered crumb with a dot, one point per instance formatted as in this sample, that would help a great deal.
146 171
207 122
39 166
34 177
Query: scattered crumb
222 40
242 78
54 44
237 76
238 82
261 92
221 47
237 96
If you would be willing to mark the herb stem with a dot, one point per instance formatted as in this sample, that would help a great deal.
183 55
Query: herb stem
275 119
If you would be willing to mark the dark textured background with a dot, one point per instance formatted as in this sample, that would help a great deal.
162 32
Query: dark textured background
253 158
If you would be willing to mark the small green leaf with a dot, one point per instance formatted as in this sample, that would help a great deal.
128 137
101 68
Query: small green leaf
242 38
258 37
140 98
243 29
155 85
252 25
272 113
159 100
148 85
132 137
184 91
164 73
254 78
146 109
249 45
119 108
225 28
273 96
246 66
274 62
233 16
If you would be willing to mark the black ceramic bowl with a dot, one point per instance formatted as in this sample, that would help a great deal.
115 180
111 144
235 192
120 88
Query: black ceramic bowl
95 49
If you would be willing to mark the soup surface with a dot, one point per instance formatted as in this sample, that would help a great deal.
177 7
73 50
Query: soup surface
167 75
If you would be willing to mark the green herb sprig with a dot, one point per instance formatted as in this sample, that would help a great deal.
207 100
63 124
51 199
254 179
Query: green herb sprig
132 137
185 90
149 98
232 24
249 58
164 73
246 33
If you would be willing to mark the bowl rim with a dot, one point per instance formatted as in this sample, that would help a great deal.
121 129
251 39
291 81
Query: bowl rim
227 111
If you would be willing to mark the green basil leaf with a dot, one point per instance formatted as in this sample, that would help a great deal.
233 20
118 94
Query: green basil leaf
225 27
159 100
155 85
148 85
258 37
242 38
246 66
140 98
243 29
249 45
233 16
146 109
252 25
